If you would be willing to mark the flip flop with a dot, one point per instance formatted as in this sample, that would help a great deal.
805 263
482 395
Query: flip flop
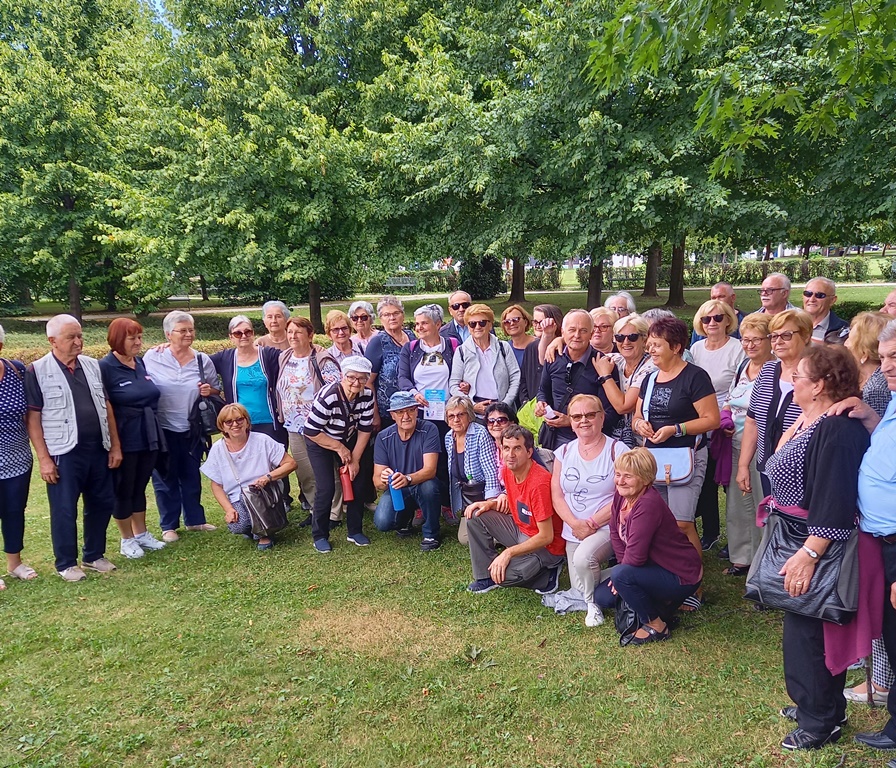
2 585
691 604
23 572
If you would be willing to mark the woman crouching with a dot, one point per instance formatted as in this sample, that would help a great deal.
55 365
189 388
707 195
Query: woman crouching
240 459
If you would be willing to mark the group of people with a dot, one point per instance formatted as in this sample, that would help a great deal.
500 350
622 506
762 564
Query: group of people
642 422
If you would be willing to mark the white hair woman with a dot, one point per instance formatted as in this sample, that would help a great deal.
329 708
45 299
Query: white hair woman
361 315
384 351
274 314
622 303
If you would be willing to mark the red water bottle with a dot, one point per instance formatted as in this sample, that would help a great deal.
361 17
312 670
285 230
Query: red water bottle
348 492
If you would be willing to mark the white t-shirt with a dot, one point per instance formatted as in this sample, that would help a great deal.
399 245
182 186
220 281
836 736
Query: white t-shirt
432 372
259 456
587 485
721 364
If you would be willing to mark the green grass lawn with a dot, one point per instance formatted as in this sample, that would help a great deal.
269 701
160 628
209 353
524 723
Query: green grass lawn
211 654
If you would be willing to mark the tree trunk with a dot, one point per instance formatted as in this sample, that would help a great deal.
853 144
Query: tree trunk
203 287
768 252
314 306
676 275
595 278
652 269
74 295
23 293
518 282
109 286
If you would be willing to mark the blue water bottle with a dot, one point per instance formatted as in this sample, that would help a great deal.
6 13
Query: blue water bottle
397 496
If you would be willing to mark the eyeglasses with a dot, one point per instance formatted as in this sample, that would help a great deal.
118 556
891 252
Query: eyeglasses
603 328
497 421
185 331
512 320
356 379
705 320
767 291
575 418
633 337
753 342
360 318
390 315
460 305
784 336
478 323
453 416
343 329
234 422
241 334
816 294
799 376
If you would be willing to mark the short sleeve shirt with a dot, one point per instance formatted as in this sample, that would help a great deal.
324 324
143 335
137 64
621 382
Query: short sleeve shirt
15 453
530 502
89 430
672 402
259 456
130 391
403 456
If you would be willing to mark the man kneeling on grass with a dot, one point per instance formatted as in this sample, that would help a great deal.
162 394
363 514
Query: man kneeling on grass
522 520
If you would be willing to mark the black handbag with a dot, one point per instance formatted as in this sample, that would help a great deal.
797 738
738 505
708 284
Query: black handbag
266 505
471 491
626 620
834 589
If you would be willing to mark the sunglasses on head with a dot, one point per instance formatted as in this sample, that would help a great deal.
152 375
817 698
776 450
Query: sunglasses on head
478 323
816 294
705 320
360 318
620 337
241 334
460 305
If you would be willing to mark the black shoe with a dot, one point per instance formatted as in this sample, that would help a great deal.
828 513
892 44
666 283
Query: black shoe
877 740
723 553
800 739
335 524
430 545
553 581
405 533
790 714
708 544
652 636
306 522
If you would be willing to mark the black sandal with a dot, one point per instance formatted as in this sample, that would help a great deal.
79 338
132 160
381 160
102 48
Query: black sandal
737 570
652 636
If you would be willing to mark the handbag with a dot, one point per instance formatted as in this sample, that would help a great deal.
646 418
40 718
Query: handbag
626 621
471 491
834 589
266 505
674 466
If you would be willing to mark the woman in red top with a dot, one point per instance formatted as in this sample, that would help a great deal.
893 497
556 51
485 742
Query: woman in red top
658 566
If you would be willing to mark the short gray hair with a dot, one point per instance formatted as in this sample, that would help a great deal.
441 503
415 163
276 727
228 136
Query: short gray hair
432 311
629 300
461 401
55 324
657 313
889 332
569 315
784 280
827 282
356 305
238 320
275 305
723 284
388 301
175 317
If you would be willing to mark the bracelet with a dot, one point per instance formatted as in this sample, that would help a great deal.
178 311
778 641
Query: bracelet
684 430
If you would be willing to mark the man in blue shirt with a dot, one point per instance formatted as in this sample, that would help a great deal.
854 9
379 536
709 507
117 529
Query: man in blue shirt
407 453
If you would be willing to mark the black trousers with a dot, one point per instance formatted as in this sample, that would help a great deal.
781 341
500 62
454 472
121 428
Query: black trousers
889 635
817 693
323 462
708 502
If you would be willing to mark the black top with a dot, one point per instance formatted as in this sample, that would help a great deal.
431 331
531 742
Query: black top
90 433
131 392
672 402
530 374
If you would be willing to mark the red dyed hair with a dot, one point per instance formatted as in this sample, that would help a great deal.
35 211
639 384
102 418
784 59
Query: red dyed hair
119 329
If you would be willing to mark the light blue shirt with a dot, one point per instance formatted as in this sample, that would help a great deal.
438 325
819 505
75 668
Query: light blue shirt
877 477
462 331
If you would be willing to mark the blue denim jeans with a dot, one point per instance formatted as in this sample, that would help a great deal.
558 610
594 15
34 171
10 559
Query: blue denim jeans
649 589
427 495
181 487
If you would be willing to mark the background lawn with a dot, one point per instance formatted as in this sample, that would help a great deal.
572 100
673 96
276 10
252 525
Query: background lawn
211 654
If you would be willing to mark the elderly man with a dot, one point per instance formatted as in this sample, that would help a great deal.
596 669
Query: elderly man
721 292
274 314
818 298
775 294
522 520
458 303
72 428
406 455
572 373
889 307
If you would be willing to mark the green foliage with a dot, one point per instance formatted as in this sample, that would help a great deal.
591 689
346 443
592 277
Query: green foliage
483 277
849 309
539 279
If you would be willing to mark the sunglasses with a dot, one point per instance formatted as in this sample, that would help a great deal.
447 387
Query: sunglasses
717 318
360 318
460 305
498 421
241 334
620 337
478 323
816 294
575 418
784 336
234 422
512 320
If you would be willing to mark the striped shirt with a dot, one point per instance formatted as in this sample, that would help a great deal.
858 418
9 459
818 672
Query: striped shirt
761 403
334 415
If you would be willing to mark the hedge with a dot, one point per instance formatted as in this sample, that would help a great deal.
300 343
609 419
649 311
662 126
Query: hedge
539 279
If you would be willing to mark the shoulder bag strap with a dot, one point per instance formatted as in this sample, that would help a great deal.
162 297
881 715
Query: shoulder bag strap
648 393
233 466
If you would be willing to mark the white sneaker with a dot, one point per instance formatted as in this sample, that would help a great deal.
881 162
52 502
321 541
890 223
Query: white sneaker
594 617
101 565
131 549
148 541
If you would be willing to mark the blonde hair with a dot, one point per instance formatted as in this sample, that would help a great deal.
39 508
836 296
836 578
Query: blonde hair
711 307
589 398
864 331
604 312
479 309
232 411
333 316
757 321
527 318
802 320
639 462
635 320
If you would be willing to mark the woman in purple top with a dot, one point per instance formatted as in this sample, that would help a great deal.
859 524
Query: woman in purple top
658 566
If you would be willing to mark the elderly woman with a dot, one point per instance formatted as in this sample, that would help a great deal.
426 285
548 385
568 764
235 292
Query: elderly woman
182 376
816 469
337 431
243 458
274 314
338 328
15 465
634 364
720 354
484 367
676 408
582 489
134 399
658 567
361 315
622 303
304 369
516 323
602 334
740 507
384 351
772 410
547 320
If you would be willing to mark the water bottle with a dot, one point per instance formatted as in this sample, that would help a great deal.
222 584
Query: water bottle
348 491
397 496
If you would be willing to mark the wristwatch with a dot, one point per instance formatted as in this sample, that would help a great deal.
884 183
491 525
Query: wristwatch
268 476
811 552
678 431
602 379
408 478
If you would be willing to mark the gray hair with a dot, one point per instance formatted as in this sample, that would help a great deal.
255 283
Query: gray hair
657 313
629 300
889 332
2 335
56 324
356 305
432 311
569 315
829 284
782 278
275 305
723 284
238 320
388 301
461 401
175 317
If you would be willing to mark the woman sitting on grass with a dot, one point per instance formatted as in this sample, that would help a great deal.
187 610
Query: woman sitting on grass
243 458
